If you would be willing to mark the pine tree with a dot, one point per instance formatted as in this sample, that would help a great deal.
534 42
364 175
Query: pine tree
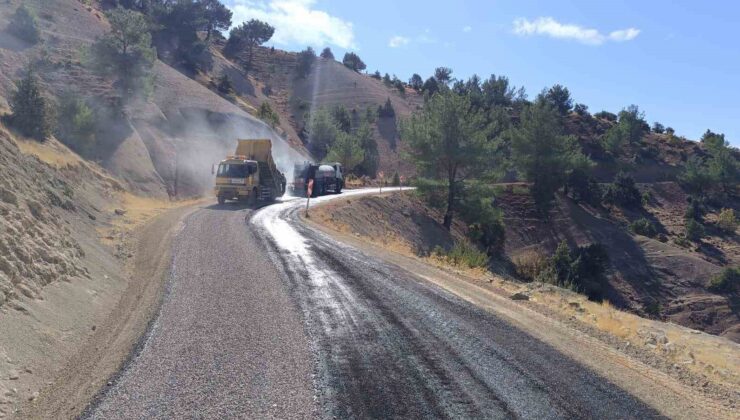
31 113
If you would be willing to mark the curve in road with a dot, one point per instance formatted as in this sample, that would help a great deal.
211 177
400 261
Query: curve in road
273 319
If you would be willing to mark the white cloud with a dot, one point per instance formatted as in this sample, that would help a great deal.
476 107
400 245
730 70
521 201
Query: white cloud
467 29
297 22
624 34
550 27
398 41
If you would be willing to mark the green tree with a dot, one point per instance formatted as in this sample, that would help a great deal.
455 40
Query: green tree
23 25
341 118
430 87
217 16
175 32
496 90
623 192
542 153
714 141
370 156
632 123
416 82
658 128
266 113
386 110
696 178
327 54
125 53
322 132
447 141
724 169
443 75
247 36
353 61
31 113
559 97
304 62
76 124
346 150
694 230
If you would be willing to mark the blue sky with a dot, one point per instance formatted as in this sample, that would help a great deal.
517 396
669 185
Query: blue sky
678 60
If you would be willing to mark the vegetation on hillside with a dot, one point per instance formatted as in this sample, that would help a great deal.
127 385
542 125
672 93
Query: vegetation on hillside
31 113
23 25
126 53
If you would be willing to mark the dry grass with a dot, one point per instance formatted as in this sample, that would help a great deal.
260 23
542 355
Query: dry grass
50 152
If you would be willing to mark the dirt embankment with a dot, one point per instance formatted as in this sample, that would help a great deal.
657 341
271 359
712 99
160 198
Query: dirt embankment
70 311
396 226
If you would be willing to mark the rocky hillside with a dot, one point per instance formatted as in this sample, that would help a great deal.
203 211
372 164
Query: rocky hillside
162 147
272 79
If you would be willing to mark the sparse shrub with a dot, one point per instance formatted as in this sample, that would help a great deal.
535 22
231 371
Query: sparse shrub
376 75
581 269
464 254
224 85
76 124
727 220
694 230
584 187
727 281
31 112
266 113
643 227
623 192
653 308
396 180
606 115
530 264
658 128
647 197
581 109
695 209
23 25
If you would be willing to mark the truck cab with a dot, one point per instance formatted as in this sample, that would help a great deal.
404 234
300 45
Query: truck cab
237 178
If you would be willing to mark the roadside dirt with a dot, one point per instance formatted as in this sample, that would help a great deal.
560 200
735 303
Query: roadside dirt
702 369
112 342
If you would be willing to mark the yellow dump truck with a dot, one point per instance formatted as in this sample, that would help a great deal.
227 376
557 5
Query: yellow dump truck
249 175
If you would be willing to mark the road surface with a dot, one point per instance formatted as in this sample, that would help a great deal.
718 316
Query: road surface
266 317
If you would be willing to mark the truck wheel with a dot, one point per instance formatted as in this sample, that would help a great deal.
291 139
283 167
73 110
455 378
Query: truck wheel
221 199
253 197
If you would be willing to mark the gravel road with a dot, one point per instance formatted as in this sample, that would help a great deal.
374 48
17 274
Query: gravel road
227 343
268 318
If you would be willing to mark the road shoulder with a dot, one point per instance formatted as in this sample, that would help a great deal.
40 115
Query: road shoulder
115 337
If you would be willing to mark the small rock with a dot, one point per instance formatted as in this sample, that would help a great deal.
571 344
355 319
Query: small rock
93 327
33 396
574 305
28 370
119 212
13 374
519 296
406 212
